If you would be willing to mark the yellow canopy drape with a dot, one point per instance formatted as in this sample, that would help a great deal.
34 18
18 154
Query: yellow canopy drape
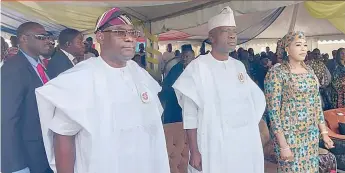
334 11
82 18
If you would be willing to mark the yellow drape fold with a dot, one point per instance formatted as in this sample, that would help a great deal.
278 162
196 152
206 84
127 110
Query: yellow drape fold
78 17
333 11
82 18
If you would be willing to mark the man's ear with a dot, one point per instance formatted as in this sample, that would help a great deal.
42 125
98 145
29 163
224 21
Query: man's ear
23 39
100 37
211 36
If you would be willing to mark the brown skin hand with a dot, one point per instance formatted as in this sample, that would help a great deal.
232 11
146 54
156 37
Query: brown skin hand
195 160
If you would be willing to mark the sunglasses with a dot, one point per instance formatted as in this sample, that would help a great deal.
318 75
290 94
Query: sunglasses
124 33
41 36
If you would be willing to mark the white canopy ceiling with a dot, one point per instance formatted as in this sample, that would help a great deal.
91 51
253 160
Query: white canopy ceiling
242 22
303 22
199 15
163 15
180 14
191 16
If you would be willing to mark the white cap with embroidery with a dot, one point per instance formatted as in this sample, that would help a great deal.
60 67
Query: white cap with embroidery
225 18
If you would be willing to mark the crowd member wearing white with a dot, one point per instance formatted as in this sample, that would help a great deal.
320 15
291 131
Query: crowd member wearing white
104 115
169 54
221 106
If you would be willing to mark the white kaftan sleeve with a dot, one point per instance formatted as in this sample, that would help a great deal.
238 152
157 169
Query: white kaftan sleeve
189 113
63 125
188 85
64 102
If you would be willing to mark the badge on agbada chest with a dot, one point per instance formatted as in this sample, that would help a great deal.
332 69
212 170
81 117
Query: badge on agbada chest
145 97
241 77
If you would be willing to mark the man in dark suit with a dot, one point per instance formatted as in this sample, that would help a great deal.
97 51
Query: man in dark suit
71 46
172 110
22 148
46 57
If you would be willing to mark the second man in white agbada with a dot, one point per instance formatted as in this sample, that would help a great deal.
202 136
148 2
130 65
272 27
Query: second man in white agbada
221 106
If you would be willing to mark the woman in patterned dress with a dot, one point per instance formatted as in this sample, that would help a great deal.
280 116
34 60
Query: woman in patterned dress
338 81
294 109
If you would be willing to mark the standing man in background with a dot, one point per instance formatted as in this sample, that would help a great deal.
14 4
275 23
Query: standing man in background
14 41
13 50
142 54
169 54
89 40
172 110
22 149
71 46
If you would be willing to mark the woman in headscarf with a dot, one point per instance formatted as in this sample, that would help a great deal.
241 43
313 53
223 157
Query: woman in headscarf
338 81
279 53
294 109
324 77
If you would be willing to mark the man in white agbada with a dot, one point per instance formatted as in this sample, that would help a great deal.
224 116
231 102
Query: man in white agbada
221 106
104 115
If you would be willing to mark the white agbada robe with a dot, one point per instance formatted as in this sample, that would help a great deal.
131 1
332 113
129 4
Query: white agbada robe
116 131
228 114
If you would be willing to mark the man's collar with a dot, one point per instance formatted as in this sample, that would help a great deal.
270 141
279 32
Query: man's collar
70 56
25 54
31 60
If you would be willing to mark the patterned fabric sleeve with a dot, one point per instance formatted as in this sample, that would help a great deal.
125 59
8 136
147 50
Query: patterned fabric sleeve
273 93
337 83
319 112
338 99
328 76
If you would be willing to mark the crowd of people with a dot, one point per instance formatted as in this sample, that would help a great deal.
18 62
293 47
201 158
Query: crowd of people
330 72
85 49
70 109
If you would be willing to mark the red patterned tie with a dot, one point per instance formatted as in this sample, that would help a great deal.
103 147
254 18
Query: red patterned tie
42 74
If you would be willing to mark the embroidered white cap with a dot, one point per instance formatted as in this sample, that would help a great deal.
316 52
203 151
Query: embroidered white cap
225 18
